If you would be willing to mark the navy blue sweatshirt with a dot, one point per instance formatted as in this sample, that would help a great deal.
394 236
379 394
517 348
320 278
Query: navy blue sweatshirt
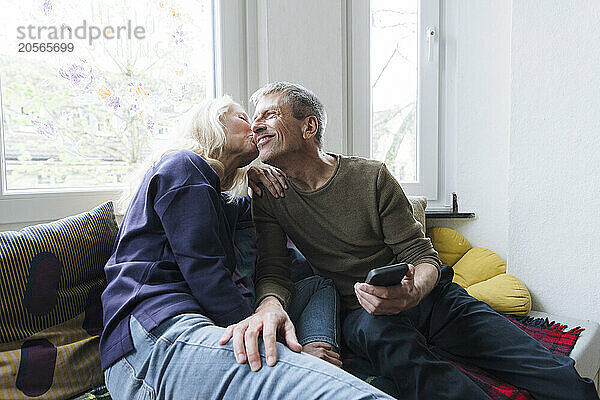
173 254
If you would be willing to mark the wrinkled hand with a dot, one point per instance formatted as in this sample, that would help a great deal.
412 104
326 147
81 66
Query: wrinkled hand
390 300
273 178
270 317
324 351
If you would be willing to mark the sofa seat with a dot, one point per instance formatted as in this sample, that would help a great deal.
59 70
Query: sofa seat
586 352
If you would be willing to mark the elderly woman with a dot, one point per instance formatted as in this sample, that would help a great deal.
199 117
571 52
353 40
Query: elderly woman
171 282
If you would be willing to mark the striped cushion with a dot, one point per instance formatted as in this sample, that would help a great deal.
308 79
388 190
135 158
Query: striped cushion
51 278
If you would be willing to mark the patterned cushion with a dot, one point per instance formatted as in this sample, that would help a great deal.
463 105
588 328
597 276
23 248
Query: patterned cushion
51 278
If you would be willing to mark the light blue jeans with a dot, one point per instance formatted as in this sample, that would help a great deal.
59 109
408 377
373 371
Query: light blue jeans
182 359
315 311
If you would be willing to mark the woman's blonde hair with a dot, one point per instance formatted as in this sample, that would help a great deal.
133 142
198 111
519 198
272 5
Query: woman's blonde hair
204 134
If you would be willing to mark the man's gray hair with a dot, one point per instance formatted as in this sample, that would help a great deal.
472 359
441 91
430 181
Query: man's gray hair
301 101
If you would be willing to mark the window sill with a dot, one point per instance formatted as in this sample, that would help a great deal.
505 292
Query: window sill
442 214
30 208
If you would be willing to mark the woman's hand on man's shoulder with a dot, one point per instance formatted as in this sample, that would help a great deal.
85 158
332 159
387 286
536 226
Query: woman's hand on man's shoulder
271 177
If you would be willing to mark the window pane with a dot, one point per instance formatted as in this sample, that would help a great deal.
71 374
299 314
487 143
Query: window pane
394 85
84 118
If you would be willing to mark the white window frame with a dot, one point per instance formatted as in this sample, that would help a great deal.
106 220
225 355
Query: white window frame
20 208
433 177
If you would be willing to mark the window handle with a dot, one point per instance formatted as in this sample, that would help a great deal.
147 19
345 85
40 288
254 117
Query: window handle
431 34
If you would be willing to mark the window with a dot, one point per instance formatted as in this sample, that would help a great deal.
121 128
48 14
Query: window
85 87
394 97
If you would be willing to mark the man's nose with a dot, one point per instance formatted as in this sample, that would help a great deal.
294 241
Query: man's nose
258 127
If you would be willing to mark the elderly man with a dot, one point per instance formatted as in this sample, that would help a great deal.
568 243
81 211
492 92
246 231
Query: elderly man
348 215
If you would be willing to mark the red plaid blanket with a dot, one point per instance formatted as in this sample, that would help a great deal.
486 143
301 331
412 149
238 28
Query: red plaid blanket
550 334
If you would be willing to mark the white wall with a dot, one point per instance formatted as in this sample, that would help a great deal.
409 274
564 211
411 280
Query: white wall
527 95
554 154
478 100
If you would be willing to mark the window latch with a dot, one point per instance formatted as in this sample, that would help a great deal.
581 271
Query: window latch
431 34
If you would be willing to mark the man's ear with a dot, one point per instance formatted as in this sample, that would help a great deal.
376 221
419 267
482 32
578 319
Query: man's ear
309 127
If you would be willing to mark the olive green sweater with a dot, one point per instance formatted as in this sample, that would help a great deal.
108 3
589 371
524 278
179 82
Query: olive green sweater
359 220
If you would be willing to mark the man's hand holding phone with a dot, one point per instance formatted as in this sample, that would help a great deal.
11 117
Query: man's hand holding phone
389 300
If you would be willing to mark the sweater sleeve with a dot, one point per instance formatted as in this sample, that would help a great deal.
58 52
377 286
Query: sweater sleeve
273 264
191 223
401 231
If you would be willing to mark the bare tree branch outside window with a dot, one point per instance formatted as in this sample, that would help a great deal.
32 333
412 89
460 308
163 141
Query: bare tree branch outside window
394 85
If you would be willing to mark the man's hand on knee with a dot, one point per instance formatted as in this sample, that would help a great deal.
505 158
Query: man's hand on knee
270 318
324 351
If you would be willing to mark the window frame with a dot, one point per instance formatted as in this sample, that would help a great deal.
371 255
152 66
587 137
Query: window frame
230 77
432 177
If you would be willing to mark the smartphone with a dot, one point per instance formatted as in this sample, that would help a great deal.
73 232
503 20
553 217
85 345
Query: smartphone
389 275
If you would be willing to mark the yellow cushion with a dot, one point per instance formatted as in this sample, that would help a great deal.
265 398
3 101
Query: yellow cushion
504 293
450 245
481 272
476 266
